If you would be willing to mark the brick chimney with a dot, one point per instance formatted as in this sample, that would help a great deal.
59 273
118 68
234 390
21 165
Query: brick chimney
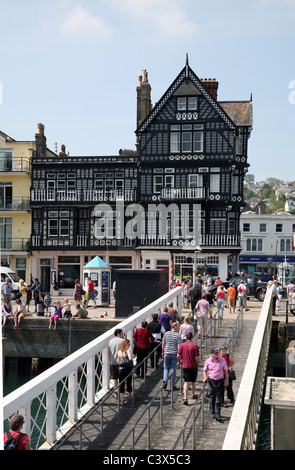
211 85
144 104
40 140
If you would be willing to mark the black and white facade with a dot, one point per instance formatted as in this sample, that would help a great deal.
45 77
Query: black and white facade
174 203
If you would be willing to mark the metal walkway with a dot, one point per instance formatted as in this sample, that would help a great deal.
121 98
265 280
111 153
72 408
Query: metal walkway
117 425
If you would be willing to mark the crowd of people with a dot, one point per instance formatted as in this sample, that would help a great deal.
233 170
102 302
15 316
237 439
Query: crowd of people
43 302
171 337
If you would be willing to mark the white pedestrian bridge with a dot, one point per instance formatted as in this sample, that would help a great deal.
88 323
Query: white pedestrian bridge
57 400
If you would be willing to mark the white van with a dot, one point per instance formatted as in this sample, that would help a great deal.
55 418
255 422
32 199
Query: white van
14 279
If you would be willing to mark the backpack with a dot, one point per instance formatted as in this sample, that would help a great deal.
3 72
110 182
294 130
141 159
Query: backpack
11 443
240 289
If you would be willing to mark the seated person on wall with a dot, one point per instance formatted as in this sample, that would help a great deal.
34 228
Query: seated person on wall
80 313
19 313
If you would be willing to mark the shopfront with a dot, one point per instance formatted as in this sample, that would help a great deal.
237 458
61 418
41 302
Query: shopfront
185 265
267 264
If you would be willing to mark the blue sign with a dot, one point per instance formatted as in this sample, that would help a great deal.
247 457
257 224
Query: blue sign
266 259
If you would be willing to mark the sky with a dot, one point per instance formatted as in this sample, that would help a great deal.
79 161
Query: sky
74 66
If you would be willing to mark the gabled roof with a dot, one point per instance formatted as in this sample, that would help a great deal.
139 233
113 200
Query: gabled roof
6 137
186 76
241 112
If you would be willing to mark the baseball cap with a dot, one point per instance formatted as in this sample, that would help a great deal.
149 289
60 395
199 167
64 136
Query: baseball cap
214 350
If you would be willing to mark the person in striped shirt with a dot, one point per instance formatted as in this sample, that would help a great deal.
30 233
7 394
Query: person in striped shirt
170 343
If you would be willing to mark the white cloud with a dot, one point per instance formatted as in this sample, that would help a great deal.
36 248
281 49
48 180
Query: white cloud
80 22
167 17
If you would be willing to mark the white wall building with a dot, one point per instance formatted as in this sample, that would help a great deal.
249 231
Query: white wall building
266 241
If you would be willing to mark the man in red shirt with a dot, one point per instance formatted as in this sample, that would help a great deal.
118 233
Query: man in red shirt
189 353
90 292
142 338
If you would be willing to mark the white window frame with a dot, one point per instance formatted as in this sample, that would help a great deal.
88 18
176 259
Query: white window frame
51 228
192 103
215 183
193 180
157 184
175 142
64 231
198 141
169 181
181 104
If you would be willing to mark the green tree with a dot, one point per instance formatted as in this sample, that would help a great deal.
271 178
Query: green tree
249 178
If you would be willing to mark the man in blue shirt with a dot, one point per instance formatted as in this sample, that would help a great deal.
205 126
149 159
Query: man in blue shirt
6 290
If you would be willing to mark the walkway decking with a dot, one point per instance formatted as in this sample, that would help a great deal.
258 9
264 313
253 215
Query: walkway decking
117 426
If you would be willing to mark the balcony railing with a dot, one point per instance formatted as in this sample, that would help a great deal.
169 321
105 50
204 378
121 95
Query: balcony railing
207 240
15 164
183 193
83 241
77 195
14 204
15 244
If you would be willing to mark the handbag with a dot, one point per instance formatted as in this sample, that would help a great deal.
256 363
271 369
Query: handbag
126 363
18 295
232 375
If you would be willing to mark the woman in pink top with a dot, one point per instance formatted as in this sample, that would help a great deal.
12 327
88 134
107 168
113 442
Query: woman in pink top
186 328
202 312
220 294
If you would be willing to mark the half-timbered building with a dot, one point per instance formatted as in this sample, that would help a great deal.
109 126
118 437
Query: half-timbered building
174 203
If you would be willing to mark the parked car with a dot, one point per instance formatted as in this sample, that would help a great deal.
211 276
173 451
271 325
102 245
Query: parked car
261 291
255 287
264 277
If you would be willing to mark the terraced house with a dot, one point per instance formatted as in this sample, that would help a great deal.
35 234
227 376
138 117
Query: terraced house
15 217
174 202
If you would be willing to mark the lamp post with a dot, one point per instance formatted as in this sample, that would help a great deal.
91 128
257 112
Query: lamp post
197 250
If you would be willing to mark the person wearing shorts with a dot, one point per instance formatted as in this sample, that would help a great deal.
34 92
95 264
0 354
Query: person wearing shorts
20 312
188 352
91 293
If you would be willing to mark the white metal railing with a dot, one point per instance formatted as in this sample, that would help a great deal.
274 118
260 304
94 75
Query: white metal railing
183 193
87 195
56 399
242 430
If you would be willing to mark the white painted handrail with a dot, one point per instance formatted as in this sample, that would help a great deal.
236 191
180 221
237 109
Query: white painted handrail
242 430
93 365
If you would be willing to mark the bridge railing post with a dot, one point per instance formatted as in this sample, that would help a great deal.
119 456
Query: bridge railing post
51 414
73 397
91 381
105 369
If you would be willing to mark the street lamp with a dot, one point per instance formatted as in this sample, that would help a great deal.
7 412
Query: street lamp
197 250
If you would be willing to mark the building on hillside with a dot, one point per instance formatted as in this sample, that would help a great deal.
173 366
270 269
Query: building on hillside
15 218
174 203
267 242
